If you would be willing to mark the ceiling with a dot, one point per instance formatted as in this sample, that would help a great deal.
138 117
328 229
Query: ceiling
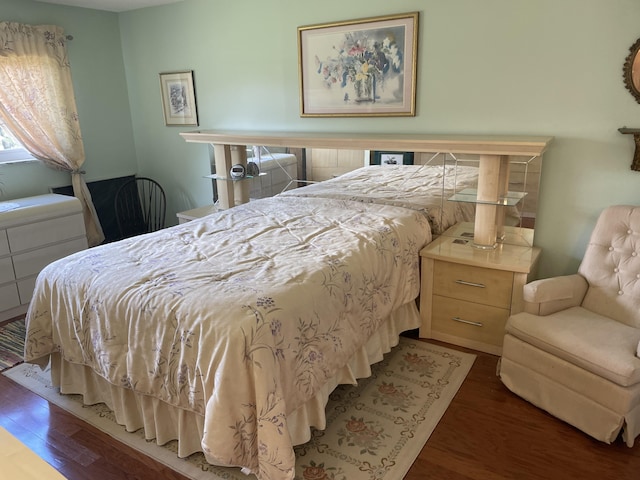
111 5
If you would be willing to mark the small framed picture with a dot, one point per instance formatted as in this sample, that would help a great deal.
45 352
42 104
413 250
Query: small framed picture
391 158
179 98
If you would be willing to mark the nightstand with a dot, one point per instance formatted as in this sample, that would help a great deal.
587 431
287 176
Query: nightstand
467 293
188 215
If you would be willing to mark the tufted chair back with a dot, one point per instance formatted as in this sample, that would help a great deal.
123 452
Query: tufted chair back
611 265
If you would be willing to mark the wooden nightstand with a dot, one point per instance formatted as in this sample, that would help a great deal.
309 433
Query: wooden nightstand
188 215
468 293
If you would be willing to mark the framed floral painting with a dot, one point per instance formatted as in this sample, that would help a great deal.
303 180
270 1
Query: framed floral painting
354 68
178 98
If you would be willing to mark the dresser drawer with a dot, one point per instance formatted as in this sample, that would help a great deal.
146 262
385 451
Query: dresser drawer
34 235
26 288
30 263
474 284
6 270
9 296
4 243
480 323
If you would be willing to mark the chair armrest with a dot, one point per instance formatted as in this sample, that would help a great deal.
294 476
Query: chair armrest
550 295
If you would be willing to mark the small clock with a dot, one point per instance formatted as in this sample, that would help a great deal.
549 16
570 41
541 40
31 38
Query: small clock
237 171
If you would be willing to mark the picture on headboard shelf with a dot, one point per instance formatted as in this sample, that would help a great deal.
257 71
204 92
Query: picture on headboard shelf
359 68
391 158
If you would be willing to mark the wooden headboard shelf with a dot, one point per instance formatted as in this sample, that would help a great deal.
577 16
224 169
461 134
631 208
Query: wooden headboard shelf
477 144
494 152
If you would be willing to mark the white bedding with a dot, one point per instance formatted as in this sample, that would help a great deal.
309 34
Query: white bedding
419 187
239 318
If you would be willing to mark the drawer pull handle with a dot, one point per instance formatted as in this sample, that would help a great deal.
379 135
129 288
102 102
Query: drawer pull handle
470 284
468 322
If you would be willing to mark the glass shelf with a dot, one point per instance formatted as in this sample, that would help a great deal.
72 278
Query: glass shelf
246 177
470 195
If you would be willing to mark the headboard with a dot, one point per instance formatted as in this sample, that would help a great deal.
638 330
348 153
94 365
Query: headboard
495 155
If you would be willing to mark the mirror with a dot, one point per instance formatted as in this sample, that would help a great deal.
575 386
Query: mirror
519 204
631 70
524 180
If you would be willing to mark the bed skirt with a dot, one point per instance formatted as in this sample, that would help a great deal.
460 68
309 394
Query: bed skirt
163 422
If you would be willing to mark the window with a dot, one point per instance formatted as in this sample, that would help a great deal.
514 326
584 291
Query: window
11 150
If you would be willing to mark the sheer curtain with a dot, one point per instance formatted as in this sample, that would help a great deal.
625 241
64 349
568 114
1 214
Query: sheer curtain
37 104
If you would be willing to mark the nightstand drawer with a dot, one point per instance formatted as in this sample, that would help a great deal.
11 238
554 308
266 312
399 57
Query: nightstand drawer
474 284
480 323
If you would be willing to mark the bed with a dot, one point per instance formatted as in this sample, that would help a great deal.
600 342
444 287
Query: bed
228 333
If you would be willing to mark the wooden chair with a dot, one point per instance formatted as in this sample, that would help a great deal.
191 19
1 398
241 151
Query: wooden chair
140 206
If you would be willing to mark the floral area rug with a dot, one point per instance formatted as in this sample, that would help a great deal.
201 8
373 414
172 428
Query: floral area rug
11 344
375 430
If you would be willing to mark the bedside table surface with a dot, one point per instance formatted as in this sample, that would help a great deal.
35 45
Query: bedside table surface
197 212
512 235
514 258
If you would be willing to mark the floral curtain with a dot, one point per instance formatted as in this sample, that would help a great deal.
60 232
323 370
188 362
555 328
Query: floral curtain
37 104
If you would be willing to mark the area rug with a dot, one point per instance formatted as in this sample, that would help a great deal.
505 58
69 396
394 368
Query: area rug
11 344
375 430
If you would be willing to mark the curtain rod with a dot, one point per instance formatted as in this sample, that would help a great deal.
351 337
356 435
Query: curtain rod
68 37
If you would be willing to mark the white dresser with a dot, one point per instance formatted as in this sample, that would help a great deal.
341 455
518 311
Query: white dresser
34 231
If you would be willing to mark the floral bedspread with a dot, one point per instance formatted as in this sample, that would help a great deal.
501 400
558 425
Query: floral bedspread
240 316
420 187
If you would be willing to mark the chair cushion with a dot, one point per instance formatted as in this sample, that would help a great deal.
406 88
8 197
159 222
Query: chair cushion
591 341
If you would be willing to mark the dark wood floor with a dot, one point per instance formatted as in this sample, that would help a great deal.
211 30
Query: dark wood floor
486 433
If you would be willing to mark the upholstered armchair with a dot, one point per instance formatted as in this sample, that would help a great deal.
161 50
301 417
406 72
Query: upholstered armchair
574 351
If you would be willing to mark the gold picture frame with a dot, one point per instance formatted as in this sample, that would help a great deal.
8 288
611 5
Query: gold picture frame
359 68
179 98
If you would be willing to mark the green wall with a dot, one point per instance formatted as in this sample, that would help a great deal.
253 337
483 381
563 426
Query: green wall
544 67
